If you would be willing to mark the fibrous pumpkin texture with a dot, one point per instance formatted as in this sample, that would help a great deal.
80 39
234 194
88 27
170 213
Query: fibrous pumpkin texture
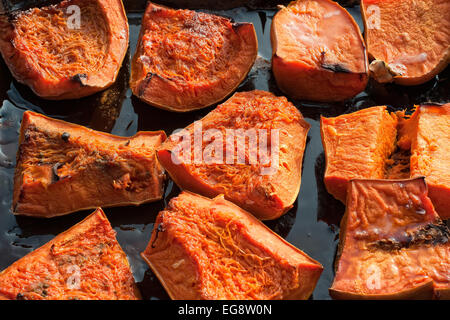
63 167
212 249
251 150
83 263
318 51
409 41
187 60
392 243
69 50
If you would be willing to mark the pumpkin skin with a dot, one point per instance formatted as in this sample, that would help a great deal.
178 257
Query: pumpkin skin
187 60
409 48
205 248
266 190
311 59
392 245
57 61
426 134
63 168
88 249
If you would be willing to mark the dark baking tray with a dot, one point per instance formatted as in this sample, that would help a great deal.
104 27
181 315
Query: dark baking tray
312 225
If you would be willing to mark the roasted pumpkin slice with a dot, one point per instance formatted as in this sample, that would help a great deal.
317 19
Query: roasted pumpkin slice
318 51
187 60
85 262
357 145
69 50
408 48
392 243
212 249
249 148
63 167
427 135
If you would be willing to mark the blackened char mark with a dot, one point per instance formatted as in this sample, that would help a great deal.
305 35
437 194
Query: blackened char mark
159 229
55 176
145 83
237 25
335 67
80 78
432 234
20 296
65 136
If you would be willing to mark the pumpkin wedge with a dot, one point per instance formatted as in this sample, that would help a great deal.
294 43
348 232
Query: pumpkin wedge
187 60
427 135
63 167
249 148
318 51
392 243
83 263
205 248
373 144
408 48
357 145
66 51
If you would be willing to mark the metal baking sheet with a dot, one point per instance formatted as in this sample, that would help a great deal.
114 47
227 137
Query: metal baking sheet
312 225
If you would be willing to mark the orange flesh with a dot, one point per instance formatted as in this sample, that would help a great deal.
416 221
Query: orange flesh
426 133
211 249
412 39
200 58
309 40
61 51
267 196
357 145
385 252
88 251
318 41
354 151
85 168
45 49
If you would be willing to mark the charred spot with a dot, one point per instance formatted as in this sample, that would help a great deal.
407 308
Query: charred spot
431 234
335 67
55 176
159 229
20 296
237 25
80 78
145 83
65 136
127 143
